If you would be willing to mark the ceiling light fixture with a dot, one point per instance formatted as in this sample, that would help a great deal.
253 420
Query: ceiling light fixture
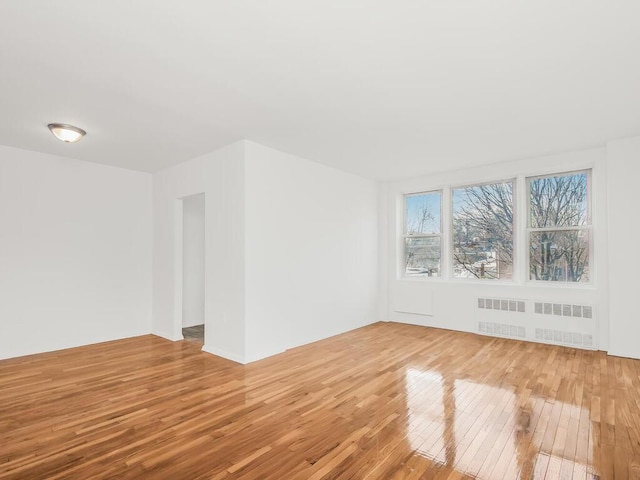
66 133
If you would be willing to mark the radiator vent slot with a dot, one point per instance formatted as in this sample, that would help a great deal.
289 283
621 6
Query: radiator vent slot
564 338
563 309
503 304
513 331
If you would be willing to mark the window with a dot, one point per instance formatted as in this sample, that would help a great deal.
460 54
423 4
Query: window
422 234
559 227
553 237
483 231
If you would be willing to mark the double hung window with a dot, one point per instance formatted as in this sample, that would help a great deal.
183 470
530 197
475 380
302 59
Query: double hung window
483 234
559 227
483 231
422 234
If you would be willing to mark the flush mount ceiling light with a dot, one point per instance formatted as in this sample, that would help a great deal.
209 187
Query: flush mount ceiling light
66 133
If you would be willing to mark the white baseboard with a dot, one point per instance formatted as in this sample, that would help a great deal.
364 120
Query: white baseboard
173 338
623 354
224 354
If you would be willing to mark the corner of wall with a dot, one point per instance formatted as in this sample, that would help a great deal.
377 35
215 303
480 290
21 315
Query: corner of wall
383 257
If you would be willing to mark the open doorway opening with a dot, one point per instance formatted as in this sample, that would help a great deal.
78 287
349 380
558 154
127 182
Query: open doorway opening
193 267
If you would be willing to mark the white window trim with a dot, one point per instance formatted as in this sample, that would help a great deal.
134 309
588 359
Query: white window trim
521 237
450 263
588 227
405 235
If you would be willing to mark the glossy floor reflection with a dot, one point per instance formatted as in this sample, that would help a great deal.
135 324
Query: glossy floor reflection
387 401
457 432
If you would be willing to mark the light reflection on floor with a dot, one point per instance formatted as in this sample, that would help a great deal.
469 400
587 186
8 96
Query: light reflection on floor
487 431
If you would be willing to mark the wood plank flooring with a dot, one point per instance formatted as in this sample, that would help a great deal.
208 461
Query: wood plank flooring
387 401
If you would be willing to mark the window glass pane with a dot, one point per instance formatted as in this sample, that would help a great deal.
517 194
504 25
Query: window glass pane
561 256
483 231
559 201
422 213
422 256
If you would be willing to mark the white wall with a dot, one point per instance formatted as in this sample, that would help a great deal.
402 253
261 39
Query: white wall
623 161
193 260
311 251
383 253
291 250
453 303
220 176
75 253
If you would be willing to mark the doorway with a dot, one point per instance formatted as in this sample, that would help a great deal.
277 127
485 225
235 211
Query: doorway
193 267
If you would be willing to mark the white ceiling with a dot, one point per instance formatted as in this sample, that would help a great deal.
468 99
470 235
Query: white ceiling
385 89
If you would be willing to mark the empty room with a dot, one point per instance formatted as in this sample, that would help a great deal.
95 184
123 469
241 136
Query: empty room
306 240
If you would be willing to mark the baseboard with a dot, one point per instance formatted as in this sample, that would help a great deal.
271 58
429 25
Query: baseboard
173 338
224 354
5 355
617 353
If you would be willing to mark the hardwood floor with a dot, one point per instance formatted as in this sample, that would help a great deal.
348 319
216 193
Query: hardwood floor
387 401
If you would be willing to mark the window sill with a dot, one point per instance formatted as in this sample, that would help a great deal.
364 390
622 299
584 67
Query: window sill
501 283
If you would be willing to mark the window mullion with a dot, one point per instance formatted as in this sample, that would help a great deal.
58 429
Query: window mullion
446 261
521 235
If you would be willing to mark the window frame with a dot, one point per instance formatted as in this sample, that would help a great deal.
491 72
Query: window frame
514 232
588 227
442 272
520 179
